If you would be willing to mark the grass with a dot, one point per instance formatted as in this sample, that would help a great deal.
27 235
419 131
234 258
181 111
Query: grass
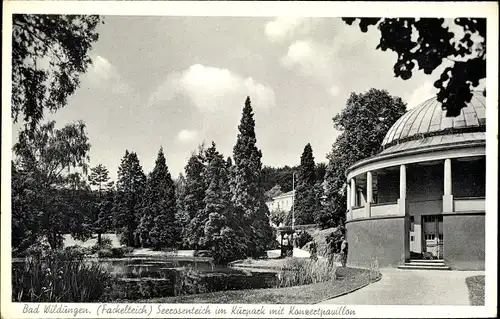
347 280
475 284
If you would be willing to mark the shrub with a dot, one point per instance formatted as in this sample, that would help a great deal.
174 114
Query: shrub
313 250
301 271
61 276
303 238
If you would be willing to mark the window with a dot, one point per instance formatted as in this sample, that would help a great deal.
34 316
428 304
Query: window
412 238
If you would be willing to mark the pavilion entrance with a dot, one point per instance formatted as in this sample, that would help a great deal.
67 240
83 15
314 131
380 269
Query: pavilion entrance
432 236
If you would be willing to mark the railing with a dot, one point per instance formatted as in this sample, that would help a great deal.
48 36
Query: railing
384 209
469 204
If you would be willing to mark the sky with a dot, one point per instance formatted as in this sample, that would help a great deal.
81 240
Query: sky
175 82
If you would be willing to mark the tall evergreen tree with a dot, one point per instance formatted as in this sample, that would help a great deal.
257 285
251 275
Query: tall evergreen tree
181 216
130 188
222 228
305 194
247 193
157 227
99 178
193 198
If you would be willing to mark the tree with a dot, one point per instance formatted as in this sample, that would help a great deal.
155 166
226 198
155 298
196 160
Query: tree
320 172
158 226
181 217
222 228
428 42
130 188
193 198
47 168
270 176
246 188
49 53
99 177
363 124
278 216
305 197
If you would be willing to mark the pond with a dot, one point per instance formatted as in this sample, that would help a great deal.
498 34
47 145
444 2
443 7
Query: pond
142 278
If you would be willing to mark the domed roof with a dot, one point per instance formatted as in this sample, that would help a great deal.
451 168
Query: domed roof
429 119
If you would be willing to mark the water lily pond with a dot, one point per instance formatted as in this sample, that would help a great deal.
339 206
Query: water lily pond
142 278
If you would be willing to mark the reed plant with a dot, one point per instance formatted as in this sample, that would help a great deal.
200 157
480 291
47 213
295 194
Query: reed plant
59 276
302 271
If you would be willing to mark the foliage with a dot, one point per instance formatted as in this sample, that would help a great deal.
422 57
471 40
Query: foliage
49 53
158 227
302 271
113 252
278 216
302 239
427 42
193 198
334 241
59 277
306 204
129 194
363 124
282 176
99 177
50 197
222 230
246 187
313 250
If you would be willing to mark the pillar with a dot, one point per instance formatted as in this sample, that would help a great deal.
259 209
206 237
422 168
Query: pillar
348 201
369 194
402 209
353 193
448 196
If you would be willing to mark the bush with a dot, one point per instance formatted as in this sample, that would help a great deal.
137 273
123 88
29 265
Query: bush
303 238
114 252
60 276
301 271
78 251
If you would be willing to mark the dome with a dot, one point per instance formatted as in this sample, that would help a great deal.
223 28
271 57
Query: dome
428 122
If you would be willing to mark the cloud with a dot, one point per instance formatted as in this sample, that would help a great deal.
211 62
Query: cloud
311 59
213 89
421 94
104 75
187 136
334 90
283 28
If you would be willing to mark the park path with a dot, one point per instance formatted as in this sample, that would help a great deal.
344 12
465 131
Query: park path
412 287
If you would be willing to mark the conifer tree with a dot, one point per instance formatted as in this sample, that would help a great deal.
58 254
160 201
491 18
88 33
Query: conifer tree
158 227
129 193
99 177
193 198
305 195
247 193
221 230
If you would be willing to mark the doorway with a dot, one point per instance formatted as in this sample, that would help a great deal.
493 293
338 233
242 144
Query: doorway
432 236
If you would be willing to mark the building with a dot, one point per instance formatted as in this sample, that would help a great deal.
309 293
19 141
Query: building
282 202
423 195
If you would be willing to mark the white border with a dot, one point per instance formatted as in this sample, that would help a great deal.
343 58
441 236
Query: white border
271 9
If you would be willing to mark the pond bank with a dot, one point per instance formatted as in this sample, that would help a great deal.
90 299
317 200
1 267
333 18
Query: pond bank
348 279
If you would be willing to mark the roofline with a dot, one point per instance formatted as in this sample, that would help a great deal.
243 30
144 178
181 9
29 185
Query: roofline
420 150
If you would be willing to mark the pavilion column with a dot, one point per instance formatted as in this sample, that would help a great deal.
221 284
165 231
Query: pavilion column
402 208
448 196
369 194
349 215
353 193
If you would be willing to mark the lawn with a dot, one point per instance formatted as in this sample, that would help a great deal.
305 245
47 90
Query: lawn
348 279
475 284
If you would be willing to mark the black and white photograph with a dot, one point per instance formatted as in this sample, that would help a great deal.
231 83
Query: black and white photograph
310 163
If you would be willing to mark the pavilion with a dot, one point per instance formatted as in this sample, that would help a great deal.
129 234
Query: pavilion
423 195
